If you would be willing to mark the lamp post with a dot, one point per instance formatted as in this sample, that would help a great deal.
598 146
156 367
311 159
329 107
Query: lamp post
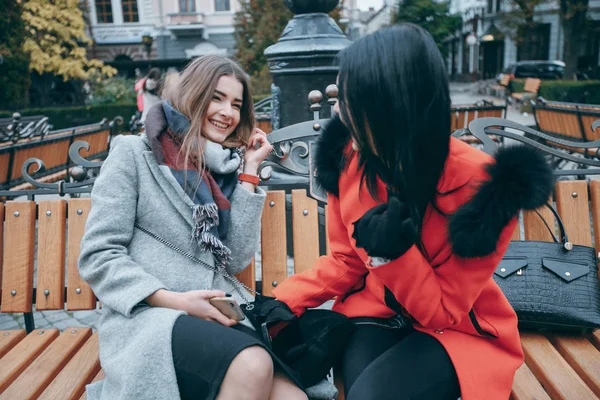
303 58
147 42
472 41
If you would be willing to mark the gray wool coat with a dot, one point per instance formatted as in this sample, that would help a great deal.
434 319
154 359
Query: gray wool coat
124 266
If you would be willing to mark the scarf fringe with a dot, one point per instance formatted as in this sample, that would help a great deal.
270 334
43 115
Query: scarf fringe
206 216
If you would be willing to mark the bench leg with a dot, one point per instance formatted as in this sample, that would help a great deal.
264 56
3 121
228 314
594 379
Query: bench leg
29 323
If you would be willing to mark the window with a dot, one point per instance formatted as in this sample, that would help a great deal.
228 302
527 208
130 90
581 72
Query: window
104 11
490 6
222 5
498 5
130 11
187 6
536 45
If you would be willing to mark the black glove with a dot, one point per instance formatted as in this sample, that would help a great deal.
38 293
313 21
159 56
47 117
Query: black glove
387 230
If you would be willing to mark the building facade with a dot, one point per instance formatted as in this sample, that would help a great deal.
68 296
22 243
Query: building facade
361 22
485 45
132 34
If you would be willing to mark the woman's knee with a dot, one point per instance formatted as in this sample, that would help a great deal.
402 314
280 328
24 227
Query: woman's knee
256 360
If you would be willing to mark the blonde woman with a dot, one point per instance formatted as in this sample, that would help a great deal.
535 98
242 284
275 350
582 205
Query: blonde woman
172 220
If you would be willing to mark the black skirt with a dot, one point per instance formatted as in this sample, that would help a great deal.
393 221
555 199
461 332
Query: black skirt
203 351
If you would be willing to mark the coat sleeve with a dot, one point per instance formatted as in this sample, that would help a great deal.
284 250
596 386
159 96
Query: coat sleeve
244 226
332 275
104 262
440 297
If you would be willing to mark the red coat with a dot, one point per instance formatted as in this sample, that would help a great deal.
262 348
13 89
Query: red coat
447 296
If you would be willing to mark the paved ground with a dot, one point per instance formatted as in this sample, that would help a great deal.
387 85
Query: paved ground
460 93
466 93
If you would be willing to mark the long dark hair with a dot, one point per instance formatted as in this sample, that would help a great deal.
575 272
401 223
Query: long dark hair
395 100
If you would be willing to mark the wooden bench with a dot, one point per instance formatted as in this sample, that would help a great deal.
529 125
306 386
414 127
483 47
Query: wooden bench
570 121
463 114
53 150
25 121
501 88
532 86
57 365
48 364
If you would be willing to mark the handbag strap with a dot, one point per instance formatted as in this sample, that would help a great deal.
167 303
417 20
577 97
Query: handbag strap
234 281
563 233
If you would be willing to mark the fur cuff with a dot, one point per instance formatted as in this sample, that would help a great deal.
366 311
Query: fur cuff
519 179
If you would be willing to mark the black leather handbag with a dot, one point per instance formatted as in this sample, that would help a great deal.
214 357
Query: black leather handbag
551 286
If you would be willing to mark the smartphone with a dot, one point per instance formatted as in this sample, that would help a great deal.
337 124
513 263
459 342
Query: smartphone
228 307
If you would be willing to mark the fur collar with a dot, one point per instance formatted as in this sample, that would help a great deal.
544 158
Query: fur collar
330 158
519 179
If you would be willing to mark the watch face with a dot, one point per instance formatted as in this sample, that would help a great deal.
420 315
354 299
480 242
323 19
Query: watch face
316 190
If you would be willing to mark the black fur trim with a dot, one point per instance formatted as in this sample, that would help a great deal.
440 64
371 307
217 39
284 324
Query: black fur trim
329 158
519 179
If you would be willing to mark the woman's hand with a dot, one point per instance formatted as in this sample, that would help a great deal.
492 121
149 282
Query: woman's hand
194 302
254 156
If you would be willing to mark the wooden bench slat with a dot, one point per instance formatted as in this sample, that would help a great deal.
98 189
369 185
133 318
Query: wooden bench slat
247 276
19 256
582 356
51 255
81 369
54 154
32 382
273 241
79 293
535 229
594 338
98 142
305 226
98 377
526 386
553 372
338 381
595 197
572 205
9 339
23 354
586 121
516 233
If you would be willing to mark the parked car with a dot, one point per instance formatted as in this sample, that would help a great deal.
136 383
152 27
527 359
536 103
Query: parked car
535 69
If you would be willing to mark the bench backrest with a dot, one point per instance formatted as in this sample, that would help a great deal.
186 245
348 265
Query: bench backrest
53 149
60 226
462 115
571 120
532 85
5 122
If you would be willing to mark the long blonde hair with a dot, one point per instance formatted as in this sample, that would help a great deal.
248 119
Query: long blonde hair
191 93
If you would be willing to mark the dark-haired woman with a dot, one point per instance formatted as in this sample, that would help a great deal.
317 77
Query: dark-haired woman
417 223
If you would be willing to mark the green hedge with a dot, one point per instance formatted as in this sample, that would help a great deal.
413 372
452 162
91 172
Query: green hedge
14 69
569 91
67 117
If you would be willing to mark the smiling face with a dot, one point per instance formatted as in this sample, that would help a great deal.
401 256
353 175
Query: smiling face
223 113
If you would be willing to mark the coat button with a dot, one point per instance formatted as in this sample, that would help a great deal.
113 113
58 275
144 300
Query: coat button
439 331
